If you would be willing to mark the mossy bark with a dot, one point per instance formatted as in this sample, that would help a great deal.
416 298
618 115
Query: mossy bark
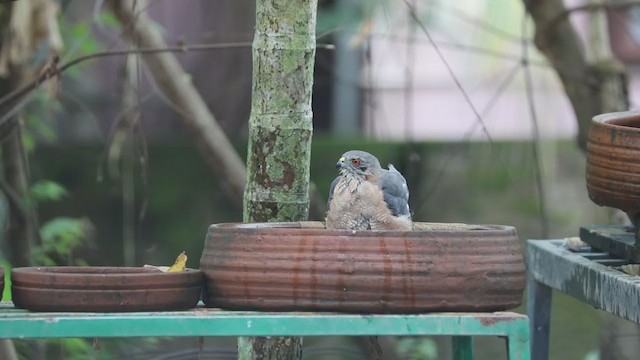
280 125
280 129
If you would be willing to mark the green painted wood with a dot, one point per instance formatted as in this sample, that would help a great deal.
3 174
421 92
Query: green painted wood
462 347
539 311
589 281
518 349
16 323
618 240
22 324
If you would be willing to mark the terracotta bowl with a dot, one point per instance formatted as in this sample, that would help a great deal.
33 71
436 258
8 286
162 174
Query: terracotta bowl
86 288
302 266
613 161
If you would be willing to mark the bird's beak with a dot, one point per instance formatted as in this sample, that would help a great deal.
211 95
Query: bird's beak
340 163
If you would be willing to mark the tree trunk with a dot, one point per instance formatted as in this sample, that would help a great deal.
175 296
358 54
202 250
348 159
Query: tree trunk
15 186
280 129
592 88
21 233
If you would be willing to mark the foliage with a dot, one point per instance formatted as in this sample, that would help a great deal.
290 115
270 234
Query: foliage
418 348
60 237
81 39
75 348
6 295
82 349
37 128
48 190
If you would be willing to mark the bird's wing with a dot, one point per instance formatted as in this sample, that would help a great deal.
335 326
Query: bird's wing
331 189
395 191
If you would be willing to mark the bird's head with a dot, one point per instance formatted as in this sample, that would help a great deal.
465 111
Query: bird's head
356 162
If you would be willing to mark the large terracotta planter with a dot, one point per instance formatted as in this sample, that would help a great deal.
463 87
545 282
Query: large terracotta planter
613 161
86 288
302 266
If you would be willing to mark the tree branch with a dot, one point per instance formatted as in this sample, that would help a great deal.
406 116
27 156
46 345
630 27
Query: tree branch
52 69
564 15
558 41
174 82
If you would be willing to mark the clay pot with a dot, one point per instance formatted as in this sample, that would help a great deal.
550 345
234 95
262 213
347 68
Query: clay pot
85 288
302 266
613 161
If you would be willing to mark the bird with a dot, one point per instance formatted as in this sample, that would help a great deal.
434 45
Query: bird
364 196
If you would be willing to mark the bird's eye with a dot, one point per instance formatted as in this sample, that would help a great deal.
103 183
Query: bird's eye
355 162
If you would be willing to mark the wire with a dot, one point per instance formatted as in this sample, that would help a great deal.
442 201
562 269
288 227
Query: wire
528 82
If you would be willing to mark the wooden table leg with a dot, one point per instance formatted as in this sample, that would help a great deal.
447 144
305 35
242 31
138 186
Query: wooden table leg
462 347
518 348
539 311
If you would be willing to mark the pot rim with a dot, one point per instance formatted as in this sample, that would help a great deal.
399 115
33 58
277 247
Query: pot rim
621 120
317 227
93 271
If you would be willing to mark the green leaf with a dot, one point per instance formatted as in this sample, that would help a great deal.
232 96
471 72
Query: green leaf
28 141
48 190
63 232
75 348
109 20
6 295
82 35
418 349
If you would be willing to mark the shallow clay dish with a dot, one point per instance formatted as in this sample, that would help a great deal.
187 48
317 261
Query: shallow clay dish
302 266
613 161
117 289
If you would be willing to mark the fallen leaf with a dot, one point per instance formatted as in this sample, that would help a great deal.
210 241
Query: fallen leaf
160 268
180 264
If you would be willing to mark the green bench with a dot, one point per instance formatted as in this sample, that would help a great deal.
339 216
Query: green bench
21 324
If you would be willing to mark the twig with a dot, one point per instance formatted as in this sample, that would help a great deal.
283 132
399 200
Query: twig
51 69
454 77
495 96
564 15
479 23
478 117
535 128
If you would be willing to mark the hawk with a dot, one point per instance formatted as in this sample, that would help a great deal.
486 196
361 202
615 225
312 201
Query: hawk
367 197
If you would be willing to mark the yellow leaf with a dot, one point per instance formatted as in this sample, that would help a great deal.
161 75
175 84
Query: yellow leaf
180 264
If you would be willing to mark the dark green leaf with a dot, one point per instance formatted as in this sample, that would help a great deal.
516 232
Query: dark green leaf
48 190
